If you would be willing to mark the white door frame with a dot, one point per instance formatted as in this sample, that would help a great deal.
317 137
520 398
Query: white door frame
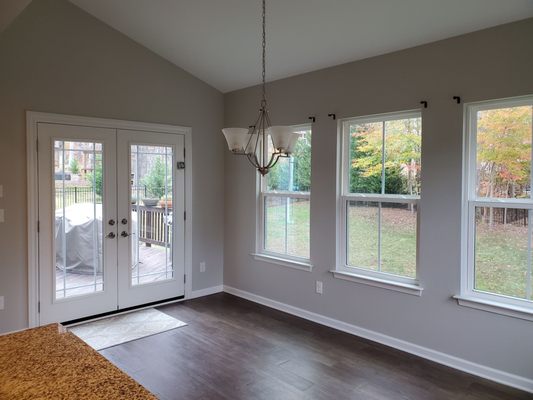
32 119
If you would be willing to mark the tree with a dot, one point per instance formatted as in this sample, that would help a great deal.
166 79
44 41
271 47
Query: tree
74 166
279 176
503 154
155 179
302 167
95 178
504 151
402 157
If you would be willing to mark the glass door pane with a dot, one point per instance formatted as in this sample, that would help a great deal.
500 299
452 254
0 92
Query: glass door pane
151 213
77 202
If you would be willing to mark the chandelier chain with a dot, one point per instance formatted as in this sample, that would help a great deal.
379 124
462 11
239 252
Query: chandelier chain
263 102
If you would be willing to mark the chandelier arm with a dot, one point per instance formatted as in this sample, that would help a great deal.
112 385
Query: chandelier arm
257 133
249 157
248 142
253 127
273 160
254 161
257 141
256 124
251 134
267 117
265 139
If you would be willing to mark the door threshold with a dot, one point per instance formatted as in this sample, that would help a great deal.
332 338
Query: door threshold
79 321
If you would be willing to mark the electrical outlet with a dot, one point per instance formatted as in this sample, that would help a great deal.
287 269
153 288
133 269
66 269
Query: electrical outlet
202 266
1 302
319 287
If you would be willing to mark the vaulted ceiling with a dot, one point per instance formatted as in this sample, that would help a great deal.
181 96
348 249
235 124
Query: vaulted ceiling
9 10
219 40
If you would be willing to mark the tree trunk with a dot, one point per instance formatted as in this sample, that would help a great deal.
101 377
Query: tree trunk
491 209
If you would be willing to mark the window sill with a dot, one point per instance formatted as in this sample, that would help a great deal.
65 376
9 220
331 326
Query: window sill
495 307
377 282
284 262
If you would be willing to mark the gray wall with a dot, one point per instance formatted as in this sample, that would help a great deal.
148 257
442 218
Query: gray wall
489 64
57 58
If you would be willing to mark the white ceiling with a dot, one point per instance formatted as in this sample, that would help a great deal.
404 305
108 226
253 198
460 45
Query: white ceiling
219 40
9 10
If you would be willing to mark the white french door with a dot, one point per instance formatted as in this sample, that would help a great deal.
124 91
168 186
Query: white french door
111 219
151 206
77 253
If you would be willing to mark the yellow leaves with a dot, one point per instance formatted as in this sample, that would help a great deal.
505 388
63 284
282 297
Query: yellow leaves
504 138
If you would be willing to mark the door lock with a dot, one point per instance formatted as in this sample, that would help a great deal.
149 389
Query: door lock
124 221
111 222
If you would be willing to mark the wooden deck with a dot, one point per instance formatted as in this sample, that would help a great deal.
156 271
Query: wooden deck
151 268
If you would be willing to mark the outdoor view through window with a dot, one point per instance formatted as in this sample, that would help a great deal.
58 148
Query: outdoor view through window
286 203
500 203
382 166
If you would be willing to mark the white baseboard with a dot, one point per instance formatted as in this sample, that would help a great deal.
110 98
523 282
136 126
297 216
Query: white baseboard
499 376
206 292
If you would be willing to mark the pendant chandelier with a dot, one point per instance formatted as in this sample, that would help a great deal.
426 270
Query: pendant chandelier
262 143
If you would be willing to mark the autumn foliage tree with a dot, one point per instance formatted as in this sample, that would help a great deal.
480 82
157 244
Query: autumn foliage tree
401 164
503 155
504 152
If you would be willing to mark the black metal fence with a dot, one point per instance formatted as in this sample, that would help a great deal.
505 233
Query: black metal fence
85 194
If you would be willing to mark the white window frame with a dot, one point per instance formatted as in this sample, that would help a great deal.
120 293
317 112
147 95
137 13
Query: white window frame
359 274
261 253
469 296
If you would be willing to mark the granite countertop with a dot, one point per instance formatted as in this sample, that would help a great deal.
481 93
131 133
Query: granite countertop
48 363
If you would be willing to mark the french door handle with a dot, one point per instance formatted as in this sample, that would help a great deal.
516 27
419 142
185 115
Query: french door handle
110 235
124 234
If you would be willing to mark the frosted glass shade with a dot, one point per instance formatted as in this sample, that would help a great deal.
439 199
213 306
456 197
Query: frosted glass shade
237 138
292 142
281 137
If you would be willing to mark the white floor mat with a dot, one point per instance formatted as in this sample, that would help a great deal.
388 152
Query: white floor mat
111 331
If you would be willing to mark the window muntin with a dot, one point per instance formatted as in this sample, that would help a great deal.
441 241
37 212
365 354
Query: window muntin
381 168
499 203
285 204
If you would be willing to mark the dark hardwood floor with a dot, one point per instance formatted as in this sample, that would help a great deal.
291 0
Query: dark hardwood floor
236 349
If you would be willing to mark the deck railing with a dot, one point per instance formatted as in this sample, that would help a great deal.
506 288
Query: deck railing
154 225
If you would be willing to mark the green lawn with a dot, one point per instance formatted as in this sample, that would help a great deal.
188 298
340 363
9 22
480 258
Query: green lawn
293 238
398 239
501 251
501 259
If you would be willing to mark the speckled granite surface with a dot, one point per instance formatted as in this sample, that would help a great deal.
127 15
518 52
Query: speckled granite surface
42 363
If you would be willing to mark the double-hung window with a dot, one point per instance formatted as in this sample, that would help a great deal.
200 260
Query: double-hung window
380 192
284 206
498 204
